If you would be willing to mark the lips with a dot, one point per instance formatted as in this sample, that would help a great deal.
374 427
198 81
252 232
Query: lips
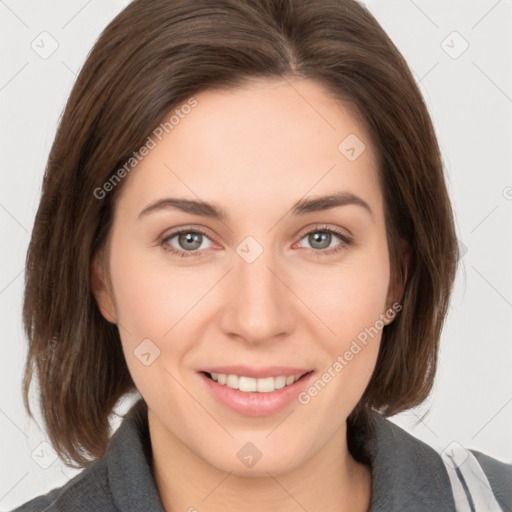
253 391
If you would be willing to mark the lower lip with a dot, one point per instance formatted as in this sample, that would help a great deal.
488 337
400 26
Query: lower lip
253 403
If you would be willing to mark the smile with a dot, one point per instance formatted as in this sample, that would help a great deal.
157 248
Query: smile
254 391
249 384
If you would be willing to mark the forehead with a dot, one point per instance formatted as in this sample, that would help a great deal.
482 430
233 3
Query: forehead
269 141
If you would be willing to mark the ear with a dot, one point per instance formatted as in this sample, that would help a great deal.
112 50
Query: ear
101 288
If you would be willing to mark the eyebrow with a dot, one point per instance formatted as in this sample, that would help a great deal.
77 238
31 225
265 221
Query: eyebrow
301 207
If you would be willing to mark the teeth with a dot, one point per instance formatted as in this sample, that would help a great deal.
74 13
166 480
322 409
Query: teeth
232 381
280 382
248 384
290 380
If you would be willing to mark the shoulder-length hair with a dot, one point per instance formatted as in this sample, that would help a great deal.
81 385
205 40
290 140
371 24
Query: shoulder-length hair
151 58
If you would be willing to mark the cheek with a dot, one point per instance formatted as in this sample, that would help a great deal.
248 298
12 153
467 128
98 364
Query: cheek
352 308
158 303
151 299
350 301
350 298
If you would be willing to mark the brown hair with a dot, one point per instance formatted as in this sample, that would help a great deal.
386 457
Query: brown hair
154 55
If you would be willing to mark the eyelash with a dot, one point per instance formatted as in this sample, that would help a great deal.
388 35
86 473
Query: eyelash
316 252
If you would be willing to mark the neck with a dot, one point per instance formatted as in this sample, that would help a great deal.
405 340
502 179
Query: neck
331 480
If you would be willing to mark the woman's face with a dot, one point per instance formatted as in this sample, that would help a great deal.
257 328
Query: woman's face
267 290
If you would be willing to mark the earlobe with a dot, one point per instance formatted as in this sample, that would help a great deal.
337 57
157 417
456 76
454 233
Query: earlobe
101 289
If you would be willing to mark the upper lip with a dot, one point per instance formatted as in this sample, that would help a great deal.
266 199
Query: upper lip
257 373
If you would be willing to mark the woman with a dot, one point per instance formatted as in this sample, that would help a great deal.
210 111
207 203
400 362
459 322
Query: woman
244 220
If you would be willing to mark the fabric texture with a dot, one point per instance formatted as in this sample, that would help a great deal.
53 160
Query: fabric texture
407 474
472 491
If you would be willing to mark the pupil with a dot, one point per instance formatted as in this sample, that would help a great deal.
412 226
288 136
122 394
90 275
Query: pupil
320 237
190 238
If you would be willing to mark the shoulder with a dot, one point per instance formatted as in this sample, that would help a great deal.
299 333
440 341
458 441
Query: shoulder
121 480
407 473
85 492
412 474
499 475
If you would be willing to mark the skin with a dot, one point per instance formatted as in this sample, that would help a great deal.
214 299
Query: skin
254 151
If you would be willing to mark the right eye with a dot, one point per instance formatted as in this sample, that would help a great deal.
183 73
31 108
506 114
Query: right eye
187 243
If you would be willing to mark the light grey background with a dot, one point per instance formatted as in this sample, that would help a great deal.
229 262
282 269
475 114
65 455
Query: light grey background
469 95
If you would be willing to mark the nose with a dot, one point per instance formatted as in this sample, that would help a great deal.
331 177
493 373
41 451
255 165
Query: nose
258 306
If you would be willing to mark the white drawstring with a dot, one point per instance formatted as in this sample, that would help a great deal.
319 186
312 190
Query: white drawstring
472 491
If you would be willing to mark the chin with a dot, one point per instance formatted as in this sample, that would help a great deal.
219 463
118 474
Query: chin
249 461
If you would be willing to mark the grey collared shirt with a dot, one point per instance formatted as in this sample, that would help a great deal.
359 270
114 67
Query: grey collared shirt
407 475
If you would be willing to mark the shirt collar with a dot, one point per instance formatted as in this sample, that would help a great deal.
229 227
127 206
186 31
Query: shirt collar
407 474
129 457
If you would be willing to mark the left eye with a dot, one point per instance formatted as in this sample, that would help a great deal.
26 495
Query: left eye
321 239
